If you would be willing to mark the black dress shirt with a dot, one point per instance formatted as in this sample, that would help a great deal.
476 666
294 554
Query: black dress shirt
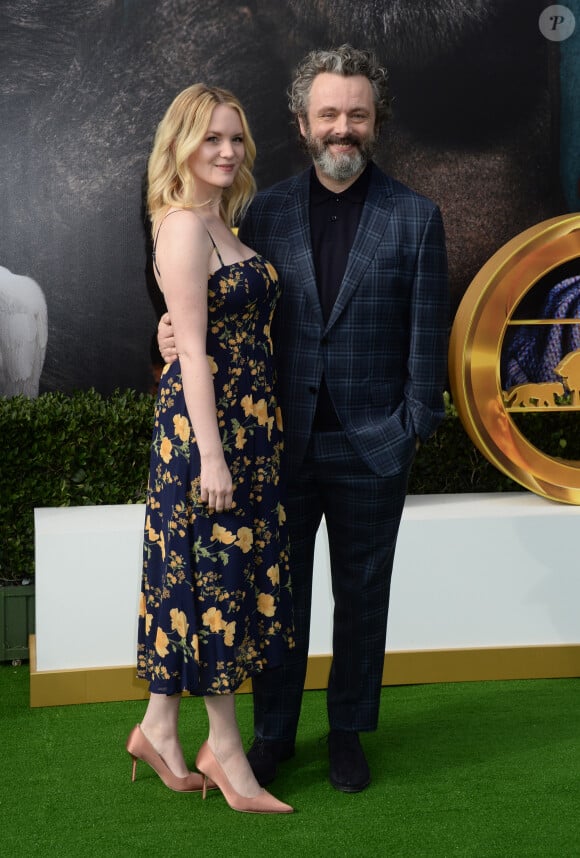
334 220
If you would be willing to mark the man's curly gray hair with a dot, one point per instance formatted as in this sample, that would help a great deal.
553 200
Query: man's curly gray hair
348 62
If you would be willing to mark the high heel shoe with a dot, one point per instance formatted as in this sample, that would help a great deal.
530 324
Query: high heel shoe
264 802
140 748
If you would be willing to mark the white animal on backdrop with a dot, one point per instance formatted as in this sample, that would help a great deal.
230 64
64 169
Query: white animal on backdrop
23 334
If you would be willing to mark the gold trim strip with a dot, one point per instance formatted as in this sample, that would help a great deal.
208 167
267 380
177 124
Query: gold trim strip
112 684
531 322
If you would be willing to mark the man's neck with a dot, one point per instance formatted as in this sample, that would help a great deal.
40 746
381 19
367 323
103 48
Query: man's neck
333 185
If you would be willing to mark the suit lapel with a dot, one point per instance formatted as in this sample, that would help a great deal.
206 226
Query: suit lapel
375 216
299 240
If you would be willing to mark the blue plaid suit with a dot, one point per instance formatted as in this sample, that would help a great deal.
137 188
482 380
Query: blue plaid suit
383 354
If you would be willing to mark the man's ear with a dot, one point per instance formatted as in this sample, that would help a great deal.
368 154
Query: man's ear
302 126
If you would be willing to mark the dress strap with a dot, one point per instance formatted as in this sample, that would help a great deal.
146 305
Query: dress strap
154 252
215 247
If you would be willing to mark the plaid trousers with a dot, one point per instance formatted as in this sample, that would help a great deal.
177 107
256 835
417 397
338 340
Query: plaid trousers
362 513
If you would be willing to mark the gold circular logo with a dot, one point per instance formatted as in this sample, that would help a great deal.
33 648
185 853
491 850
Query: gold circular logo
515 351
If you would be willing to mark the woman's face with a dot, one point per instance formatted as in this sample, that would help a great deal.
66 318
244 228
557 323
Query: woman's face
217 160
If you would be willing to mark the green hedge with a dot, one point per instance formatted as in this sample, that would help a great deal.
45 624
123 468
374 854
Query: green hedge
84 449
63 450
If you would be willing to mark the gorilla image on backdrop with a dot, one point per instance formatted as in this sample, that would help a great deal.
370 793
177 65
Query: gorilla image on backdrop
23 334
475 127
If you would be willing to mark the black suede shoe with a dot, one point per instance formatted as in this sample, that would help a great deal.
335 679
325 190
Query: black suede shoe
349 771
264 756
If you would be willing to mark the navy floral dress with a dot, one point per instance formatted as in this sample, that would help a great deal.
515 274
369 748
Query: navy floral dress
215 604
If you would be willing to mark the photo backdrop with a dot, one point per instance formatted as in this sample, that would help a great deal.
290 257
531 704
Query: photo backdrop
481 125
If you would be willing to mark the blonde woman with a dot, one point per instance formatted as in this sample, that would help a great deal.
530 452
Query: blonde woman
215 604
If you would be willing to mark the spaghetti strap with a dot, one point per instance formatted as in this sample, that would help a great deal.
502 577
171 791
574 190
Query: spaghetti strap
215 247
154 252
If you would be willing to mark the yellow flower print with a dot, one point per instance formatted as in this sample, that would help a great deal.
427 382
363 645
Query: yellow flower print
148 621
260 411
281 514
273 574
181 427
220 534
212 364
245 539
270 422
279 424
230 631
161 641
153 536
257 409
195 646
240 438
273 274
142 609
266 605
179 622
165 450
247 404
268 337
213 619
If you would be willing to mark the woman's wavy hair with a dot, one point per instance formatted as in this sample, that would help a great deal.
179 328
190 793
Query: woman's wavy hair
180 132
348 62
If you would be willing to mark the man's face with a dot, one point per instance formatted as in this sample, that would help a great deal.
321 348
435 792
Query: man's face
339 128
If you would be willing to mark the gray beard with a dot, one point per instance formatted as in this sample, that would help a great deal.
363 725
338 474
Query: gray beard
339 168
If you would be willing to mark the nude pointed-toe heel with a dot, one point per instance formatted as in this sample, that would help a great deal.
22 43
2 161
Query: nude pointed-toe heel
140 748
264 802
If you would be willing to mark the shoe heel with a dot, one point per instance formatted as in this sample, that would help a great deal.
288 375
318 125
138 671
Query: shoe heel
264 802
140 748
204 786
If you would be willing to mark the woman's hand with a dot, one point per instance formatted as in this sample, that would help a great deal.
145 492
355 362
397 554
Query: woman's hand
216 486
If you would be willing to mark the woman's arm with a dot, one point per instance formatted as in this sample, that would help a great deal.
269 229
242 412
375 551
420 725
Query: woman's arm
183 252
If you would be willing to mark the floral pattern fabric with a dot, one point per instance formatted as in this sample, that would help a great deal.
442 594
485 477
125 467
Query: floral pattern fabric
215 604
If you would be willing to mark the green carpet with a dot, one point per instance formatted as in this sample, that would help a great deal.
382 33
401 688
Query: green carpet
472 769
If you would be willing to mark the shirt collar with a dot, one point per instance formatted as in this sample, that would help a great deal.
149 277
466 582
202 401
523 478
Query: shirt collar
356 193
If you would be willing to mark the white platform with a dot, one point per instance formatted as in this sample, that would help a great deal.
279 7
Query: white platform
470 571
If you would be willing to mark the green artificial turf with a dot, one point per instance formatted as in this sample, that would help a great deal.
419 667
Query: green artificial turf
468 769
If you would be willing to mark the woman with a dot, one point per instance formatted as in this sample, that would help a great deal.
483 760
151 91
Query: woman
215 604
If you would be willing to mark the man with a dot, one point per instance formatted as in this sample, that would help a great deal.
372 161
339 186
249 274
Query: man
360 339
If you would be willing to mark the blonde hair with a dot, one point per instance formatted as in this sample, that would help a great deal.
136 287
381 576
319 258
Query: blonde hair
178 135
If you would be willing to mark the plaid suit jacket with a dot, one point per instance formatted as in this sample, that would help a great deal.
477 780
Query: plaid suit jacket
384 349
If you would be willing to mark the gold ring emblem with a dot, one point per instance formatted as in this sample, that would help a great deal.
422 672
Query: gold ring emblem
515 351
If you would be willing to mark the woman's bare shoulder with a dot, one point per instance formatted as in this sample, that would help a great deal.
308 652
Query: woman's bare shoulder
180 221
